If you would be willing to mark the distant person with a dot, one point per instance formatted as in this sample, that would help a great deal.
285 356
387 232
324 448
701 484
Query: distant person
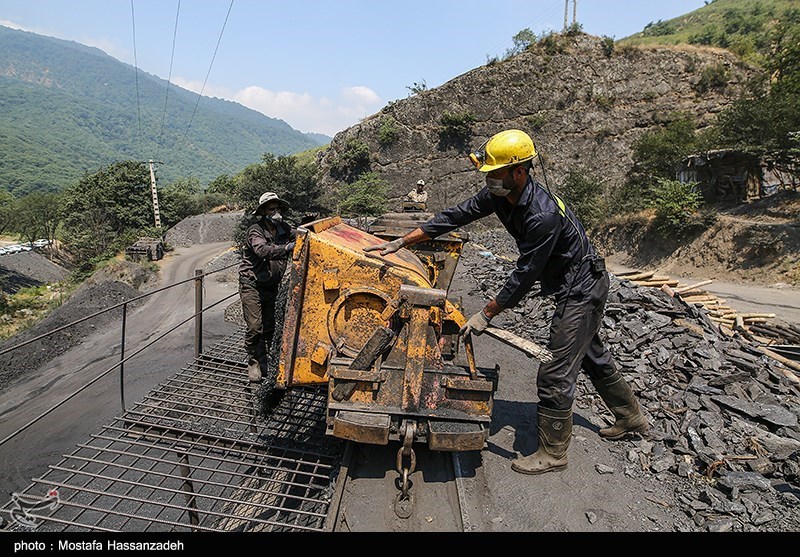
418 194
268 244
553 249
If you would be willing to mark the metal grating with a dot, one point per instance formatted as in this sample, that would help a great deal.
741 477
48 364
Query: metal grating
194 456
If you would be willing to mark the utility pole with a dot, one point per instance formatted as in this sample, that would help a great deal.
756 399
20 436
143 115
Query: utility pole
154 192
574 13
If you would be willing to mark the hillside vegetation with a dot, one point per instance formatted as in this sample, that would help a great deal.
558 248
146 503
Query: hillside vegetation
745 27
67 109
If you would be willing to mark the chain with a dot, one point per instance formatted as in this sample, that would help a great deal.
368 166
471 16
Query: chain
406 454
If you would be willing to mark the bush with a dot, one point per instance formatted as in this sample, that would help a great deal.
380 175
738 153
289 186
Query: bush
605 102
456 127
656 155
585 197
551 44
417 88
388 131
675 204
712 77
608 46
364 197
536 121
353 161
574 29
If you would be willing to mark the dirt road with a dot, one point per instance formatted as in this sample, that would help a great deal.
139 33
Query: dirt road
28 454
780 299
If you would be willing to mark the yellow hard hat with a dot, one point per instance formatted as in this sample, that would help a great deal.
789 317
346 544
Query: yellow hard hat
503 149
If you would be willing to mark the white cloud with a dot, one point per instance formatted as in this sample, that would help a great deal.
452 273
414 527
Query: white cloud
302 111
307 113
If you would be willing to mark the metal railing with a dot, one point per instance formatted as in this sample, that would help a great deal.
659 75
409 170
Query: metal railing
199 453
197 317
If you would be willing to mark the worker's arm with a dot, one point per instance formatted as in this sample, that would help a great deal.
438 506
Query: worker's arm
264 246
478 322
414 237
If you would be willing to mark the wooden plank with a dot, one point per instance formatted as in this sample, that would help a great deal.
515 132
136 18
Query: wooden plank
785 361
683 289
637 276
530 348
657 283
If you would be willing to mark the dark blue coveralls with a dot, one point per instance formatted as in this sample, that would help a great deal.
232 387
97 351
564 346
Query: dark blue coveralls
553 249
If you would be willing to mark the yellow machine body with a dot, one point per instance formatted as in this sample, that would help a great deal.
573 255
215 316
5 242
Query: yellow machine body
380 332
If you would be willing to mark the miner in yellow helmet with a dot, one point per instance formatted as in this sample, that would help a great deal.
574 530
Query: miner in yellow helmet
555 251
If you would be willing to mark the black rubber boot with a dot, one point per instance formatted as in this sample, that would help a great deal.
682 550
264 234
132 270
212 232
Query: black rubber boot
619 398
555 433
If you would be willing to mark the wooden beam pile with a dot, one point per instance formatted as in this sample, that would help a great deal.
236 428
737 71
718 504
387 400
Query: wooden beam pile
718 309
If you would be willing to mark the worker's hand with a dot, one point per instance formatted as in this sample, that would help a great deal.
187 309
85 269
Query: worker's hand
475 325
289 247
387 247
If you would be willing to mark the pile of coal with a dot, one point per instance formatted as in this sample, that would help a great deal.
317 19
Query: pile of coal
724 417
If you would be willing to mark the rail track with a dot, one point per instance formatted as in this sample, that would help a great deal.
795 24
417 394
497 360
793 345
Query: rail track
200 454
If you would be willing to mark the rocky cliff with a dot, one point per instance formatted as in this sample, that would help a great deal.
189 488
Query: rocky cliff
583 100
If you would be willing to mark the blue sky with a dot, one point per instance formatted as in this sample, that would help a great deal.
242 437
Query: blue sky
320 65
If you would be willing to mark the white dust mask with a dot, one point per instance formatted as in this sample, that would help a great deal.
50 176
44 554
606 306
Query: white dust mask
497 186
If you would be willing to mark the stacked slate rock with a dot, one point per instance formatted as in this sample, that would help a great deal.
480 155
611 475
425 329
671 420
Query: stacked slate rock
723 416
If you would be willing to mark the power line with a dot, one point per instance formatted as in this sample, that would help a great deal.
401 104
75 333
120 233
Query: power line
200 95
136 73
169 79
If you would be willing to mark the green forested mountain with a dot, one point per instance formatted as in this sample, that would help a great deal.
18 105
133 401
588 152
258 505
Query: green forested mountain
67 109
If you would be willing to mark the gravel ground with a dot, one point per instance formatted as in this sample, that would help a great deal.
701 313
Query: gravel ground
28 268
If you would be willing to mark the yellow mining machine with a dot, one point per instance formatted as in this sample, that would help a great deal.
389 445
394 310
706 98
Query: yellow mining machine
382 334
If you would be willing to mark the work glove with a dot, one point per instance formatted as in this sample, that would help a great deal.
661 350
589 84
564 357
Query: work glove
387 247
475 325
289 247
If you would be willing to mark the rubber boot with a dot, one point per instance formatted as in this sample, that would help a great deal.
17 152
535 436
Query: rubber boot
253 370
619 398
555 433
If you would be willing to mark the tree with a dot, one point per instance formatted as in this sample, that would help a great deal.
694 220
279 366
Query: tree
104 211
180 199
522 42
222 184
585 197
364 197
7 211
656 154
765 119
675 203
39 216
284 176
